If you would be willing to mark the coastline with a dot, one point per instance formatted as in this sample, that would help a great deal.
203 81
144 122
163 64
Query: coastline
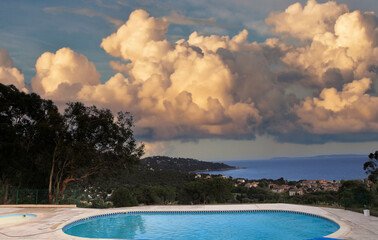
216 170
338 167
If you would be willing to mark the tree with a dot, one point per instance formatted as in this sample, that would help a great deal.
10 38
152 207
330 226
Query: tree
123 198
216 190
354 193
92 141
26 132
10 168
41 147
371 166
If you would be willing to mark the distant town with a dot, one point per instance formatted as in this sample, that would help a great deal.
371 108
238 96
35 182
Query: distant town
159 163
293 188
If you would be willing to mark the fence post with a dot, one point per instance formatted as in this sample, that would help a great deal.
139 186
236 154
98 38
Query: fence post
56 198
79 198
17 197
344 200
36 197
74 196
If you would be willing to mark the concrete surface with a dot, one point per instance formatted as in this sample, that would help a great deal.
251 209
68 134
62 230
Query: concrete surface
37 206
49 221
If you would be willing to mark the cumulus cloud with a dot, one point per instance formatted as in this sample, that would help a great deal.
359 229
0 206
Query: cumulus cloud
307 22
10 74
349 110
201 86
342 45
157 148
228 87
139 31
59 76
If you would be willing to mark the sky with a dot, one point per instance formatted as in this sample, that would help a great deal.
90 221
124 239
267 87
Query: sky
213 80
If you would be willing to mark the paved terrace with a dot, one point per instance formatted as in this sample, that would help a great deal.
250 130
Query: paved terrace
49 221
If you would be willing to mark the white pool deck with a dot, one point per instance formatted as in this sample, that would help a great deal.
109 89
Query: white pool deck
49 221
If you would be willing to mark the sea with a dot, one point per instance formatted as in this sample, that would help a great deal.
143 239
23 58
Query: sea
327 167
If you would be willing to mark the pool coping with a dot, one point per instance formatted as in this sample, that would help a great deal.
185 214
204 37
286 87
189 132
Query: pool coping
50 221
37 206
340 233
203 211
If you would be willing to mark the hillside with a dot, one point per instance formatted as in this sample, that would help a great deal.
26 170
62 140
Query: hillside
182 164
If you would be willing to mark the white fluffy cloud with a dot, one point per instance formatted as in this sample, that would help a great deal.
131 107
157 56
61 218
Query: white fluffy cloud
349 110
140 36
157 148
307 22
10 74
341 46
221 86
206 86
59 76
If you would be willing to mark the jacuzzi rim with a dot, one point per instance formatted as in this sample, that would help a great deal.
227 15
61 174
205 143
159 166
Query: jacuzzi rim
19 214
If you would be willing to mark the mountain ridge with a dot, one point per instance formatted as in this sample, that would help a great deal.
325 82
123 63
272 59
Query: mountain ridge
182 164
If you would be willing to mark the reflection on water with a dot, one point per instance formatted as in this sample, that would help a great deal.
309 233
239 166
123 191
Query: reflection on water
126 225
212 225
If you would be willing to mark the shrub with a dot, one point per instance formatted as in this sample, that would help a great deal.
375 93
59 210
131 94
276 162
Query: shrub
123 198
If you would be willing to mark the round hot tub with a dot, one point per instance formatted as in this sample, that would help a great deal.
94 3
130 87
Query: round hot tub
15 218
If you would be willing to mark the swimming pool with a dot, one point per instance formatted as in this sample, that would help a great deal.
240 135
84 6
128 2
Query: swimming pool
253 225
15 218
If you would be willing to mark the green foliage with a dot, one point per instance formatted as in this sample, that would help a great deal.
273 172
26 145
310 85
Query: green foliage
182 164
371 167
41 148
216 190
292 183
95 142
316 198
263 184
355 194
155 194
353 185
280 181
262 195
123 198
27 135
165 177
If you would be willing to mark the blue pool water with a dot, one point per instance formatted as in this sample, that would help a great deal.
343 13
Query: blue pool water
252 225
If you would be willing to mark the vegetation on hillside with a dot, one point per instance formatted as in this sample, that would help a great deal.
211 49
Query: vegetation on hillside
41 148
371 167
182 164
95 153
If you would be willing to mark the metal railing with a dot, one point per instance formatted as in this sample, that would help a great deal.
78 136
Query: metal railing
347 199
39 196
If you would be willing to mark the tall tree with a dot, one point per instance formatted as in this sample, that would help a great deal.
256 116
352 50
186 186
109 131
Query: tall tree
371 166
10 147
39 147
93 142
25 131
